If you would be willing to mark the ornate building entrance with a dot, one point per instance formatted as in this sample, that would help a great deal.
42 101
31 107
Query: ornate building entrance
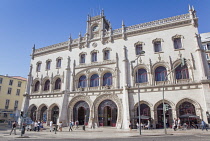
33 113
55 114
107 113
43 114
81 112
169 118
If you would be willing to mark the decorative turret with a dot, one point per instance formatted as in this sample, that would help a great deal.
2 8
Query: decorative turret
32 54
70 42
123 30
193 16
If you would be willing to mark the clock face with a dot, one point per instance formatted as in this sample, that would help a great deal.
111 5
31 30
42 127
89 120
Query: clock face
95 28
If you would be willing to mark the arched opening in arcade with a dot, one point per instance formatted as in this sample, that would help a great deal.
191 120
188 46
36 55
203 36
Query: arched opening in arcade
187 114
43 114
168 115
107 113
145 114
33 113
54 114
81 112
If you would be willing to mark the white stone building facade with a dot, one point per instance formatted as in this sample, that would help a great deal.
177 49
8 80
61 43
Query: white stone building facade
93 79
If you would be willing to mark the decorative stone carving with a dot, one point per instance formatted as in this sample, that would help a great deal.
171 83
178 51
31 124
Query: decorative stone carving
157 40
94 44
177 36
139 43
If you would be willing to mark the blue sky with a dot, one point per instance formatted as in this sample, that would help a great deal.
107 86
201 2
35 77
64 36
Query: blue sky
45 22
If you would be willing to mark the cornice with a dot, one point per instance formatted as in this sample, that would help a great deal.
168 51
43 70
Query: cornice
130 31
107 62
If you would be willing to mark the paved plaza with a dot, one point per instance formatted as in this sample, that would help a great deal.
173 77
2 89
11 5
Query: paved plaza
107 133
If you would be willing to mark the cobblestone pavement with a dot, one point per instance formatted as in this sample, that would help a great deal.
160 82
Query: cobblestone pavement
108 133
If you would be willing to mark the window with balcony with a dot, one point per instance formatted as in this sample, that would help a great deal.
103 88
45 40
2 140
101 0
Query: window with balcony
10 82
82 82
9 91
208 46
141 76
94 80
139 49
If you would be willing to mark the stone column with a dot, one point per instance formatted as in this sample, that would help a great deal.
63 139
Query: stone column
125 100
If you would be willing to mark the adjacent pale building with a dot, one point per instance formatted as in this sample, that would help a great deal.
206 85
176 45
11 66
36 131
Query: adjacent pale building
205 38
12 89
95 78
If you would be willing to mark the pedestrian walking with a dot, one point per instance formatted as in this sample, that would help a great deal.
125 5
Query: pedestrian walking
38 125
178 123
51 126
204 125
41 125
130 126
175 124
14 124
70 126
77 124
35 125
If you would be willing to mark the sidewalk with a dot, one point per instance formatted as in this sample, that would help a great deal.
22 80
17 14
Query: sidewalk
102 132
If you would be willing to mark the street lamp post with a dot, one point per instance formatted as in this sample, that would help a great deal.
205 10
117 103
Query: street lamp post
137 76
183 62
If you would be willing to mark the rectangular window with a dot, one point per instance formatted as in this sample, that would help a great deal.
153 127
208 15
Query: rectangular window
1 80
209 65
48 65
82 58
106 55
16 105
38 67
177 43
10 82
157 46
207 56
204 47
208 46
0 88
138 49
7 104
94 57
58 65
5 115
18 92
9 91
19 84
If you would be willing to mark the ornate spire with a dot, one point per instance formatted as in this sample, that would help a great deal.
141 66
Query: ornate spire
32 54
70 41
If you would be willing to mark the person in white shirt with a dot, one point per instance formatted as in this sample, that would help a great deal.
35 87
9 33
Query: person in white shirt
51 126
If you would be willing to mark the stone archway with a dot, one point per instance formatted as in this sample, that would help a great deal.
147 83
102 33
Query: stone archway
53 113
170 114
188 106
113 98
77 99
42 113
32 112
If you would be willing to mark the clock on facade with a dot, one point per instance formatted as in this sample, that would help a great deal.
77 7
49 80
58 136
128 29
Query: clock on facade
95 28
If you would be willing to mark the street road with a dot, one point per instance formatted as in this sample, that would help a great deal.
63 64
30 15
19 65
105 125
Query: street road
136 138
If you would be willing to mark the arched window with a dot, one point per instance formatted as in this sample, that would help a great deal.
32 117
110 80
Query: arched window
48 63
139 49
58 84
47 85
107 79
141 76
38 66
82 82
58 63
36 88
182 72
160 73
94 80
